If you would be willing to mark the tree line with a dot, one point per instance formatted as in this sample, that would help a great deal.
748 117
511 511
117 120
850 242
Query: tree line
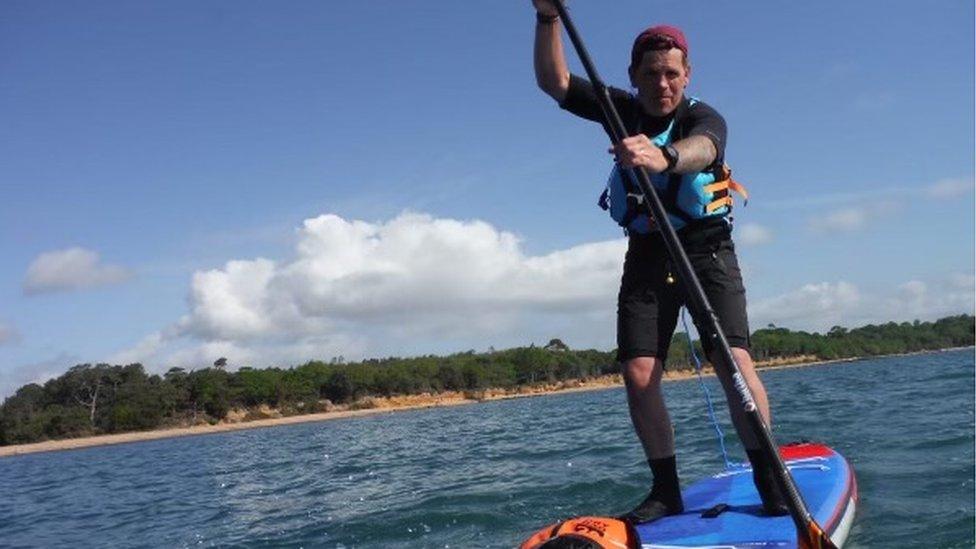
101 399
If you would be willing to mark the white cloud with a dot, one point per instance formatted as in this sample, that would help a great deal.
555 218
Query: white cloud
948 188
355 288
823 305
753 234
962 282
417 285
810 305
71 269
36 372
160 351
864 197
229 303
916 299
844 219
147 347
852 218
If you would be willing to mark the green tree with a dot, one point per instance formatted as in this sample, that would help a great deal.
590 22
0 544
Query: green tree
210 392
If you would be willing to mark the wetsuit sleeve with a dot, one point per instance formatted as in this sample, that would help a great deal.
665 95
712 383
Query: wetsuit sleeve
704 120
581 100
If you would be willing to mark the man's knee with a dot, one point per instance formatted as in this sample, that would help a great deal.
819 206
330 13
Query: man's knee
741 355
746 365
643 372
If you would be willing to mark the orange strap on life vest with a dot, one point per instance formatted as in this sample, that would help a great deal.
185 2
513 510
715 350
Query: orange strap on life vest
722 188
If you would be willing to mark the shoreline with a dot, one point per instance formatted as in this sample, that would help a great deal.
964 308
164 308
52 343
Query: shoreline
380 405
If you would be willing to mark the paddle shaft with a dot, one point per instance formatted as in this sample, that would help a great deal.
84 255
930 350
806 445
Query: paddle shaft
701 309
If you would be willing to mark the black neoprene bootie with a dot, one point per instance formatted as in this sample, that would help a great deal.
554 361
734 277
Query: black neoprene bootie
774 504
665 496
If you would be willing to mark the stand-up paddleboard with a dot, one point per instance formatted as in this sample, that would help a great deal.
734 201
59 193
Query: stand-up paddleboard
724 511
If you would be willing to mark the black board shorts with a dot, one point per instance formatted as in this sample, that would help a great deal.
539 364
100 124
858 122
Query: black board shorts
648 304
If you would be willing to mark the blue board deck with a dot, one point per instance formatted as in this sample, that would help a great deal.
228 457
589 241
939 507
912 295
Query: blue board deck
825 480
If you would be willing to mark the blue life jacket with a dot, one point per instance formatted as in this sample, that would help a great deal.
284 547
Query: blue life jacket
686 197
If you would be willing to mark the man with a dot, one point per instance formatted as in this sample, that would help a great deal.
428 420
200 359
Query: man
680 142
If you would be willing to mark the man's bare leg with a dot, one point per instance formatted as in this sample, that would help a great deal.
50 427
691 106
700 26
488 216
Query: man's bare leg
762 472
748 369
642 376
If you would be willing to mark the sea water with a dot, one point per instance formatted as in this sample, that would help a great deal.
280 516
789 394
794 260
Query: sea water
489 474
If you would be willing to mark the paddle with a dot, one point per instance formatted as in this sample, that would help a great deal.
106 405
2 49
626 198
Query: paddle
809 533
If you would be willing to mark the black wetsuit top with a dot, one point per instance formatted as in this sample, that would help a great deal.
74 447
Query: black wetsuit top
689 119
697 119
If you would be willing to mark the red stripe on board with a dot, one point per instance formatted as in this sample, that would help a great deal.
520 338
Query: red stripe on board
850 496
805 450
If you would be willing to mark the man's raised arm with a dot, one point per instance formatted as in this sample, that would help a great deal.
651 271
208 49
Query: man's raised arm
551 72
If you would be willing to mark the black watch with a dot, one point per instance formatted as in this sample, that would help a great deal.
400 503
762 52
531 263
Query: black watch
544 19
671 155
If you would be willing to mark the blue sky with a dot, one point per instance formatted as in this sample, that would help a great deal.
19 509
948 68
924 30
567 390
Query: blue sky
181 181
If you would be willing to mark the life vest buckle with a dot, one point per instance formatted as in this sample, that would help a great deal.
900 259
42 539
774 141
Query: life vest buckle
722 190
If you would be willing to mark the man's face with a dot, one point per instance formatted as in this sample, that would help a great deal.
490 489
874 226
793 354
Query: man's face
660 79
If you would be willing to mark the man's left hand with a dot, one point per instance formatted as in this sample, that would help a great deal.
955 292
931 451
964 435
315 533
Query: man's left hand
639 151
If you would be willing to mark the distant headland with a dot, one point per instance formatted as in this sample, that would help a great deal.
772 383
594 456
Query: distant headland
106 404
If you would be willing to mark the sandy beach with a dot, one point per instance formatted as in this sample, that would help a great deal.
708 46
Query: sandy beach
371 405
